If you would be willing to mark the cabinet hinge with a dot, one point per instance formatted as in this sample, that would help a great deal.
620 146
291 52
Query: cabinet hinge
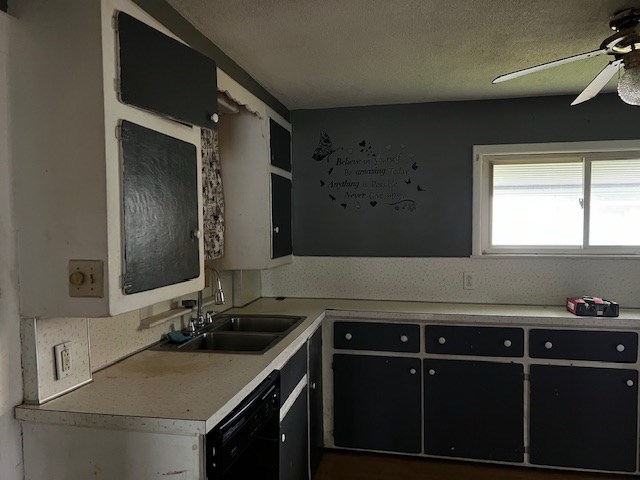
114 22
527 377
527 449
116 86
119 132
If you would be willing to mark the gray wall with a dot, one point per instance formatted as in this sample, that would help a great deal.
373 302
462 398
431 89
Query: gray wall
430 145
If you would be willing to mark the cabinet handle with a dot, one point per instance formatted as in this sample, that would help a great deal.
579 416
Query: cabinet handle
548 345
313 386
442 340
195 233
404 338
348 336
276 229
629 383
507 343
432 371
215 118
620 347
412 371
284 437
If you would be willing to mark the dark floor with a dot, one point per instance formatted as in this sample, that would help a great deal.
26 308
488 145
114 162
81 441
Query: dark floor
355 466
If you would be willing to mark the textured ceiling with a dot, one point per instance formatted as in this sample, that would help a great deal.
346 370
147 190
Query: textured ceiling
328 53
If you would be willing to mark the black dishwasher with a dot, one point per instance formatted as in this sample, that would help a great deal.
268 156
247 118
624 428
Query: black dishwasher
244 445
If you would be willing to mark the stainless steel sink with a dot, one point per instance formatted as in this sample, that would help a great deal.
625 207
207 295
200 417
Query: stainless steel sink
237 334
232 342
257 323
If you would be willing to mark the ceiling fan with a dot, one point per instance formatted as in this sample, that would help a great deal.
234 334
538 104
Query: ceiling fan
624 46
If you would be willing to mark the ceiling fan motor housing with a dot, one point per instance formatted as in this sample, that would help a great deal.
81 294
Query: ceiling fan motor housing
626 18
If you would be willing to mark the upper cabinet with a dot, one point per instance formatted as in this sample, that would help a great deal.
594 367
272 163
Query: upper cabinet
107 107
280 145
255 152
163 75
160 175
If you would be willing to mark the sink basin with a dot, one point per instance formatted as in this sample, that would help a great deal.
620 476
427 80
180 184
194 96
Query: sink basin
231 342
257 323
237 334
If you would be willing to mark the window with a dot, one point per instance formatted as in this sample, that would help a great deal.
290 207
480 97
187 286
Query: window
558 199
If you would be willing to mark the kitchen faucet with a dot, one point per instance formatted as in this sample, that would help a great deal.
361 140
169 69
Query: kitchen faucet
200 320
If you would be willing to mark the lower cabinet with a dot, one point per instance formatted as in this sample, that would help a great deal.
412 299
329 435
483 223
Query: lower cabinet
316 410
377 402
584 417
294 441
474 409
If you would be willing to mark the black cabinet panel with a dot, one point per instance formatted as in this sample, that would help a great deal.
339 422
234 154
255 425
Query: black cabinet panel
292 372
160 196
377 403
160 74
316 415
281 216
294 443
584 417
474 410
480 341
387 337
584 345
280 146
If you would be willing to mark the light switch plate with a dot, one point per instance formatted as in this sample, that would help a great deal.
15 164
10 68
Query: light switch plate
86 278
64 367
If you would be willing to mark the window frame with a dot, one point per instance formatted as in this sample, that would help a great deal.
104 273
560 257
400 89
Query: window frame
485 156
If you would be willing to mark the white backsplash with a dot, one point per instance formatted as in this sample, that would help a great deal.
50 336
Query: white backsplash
247 287
39 337
113 338
527 281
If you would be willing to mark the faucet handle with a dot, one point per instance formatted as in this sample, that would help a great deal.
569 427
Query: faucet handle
208 318
191 327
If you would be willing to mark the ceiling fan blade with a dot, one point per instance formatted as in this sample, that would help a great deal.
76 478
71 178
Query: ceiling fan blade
544 66
599 82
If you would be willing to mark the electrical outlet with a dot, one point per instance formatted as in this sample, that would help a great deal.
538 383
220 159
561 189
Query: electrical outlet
468 281
63 360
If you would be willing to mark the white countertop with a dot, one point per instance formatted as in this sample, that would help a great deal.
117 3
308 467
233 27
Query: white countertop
189 393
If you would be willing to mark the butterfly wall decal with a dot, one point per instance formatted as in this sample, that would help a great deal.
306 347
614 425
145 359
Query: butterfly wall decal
324 148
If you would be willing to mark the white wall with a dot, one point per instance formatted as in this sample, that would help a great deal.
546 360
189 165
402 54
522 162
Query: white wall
10 367
529 281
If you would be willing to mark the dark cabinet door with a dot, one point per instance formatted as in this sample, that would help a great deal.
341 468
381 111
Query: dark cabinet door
584 417
377 403
160 209
280 144
315 400
292 372
160 74
281 216
474 410
294 441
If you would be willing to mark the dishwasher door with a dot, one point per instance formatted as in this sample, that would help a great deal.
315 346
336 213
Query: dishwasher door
245 444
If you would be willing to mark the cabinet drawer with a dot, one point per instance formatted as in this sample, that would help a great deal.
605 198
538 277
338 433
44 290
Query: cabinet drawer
480 341
292 372
387 337
584 345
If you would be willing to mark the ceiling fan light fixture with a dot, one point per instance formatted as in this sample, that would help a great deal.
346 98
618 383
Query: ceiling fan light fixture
629 85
